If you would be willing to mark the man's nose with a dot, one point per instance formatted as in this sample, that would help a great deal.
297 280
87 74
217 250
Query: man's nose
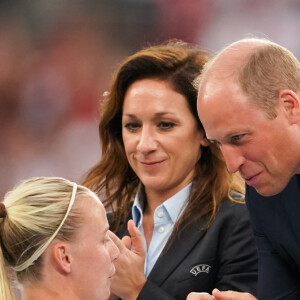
233 158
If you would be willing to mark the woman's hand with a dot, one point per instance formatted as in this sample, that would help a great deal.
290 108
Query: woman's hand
129 278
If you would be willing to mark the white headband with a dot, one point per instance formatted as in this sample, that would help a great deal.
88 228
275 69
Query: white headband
41 250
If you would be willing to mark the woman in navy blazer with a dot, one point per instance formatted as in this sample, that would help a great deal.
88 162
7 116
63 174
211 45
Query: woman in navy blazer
158 168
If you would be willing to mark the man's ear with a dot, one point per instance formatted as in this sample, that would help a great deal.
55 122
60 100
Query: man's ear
62 256
290 102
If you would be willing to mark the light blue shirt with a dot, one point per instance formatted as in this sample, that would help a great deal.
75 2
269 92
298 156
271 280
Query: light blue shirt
165 216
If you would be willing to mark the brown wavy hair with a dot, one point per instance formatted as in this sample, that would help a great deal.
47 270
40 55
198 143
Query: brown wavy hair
177 63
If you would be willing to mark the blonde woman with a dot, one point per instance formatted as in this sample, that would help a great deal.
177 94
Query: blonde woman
54 235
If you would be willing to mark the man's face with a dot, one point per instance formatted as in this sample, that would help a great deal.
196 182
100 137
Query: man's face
259 148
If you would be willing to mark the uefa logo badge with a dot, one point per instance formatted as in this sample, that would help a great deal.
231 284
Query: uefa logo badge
200 269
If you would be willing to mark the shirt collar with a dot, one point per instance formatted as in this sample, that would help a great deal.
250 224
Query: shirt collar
174 205
177 203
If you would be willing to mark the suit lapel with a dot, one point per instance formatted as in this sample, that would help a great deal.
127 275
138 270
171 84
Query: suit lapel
180 248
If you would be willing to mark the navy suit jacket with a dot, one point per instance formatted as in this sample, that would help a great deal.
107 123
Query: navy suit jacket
276 225
224 256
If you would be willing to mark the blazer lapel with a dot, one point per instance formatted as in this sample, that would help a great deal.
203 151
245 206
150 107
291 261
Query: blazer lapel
180 248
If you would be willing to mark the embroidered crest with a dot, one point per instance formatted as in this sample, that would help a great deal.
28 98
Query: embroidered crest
200 269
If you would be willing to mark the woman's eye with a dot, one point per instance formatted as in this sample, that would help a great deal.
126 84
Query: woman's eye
166 125
132 127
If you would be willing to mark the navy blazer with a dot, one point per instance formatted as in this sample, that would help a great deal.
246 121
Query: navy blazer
276 225
224 256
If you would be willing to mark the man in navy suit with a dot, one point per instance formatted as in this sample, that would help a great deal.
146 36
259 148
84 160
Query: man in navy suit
249 104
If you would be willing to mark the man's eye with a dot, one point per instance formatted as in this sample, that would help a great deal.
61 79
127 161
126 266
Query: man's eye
166 125
237 138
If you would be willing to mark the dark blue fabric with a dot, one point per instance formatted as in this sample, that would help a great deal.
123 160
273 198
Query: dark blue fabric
276 224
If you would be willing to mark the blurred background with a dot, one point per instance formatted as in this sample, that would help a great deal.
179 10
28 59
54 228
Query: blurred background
57 58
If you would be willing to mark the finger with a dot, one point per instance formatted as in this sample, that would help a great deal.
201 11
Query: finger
231 295
138 245
226 295
117 241
199 296
126 240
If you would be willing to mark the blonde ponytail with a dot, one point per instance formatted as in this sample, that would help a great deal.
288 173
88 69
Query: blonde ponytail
6 292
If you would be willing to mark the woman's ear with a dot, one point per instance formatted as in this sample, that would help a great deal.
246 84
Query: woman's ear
204 142
62 256
289 101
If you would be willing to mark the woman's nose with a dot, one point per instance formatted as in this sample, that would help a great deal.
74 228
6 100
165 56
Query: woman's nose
147 141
